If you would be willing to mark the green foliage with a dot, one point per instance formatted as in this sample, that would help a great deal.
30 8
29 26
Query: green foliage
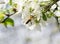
8 21
10 2
14 5
50 14
44 3
11 11
44 17
1 16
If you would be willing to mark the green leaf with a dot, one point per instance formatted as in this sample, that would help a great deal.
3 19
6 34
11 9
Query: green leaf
44 17
14 5
1 16
50 14
11 11
10 2
8 21
44 3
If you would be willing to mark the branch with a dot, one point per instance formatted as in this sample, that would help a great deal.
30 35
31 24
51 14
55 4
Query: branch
8 15
47 8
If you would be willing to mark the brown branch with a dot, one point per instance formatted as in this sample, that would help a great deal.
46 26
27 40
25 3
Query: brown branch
8 15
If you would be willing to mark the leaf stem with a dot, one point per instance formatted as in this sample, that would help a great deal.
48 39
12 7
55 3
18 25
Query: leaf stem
10 2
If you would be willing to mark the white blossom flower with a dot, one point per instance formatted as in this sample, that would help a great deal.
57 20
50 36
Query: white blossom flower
57 13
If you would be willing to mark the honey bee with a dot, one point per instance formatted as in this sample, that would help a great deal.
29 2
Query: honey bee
30 18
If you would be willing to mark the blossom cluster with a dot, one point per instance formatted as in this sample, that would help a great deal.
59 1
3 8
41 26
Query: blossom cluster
34 12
